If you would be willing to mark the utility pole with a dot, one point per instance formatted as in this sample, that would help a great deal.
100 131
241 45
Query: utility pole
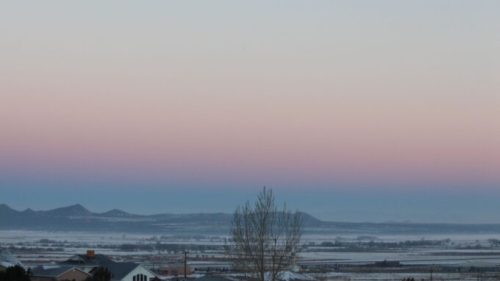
185 265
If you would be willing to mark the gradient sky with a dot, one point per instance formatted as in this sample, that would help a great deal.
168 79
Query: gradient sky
351 110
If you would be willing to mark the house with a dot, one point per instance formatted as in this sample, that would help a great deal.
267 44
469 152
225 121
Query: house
175 269
88 261
59 273
216 278
129 271
290 276
120 271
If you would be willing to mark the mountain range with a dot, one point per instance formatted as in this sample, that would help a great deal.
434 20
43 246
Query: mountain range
78 218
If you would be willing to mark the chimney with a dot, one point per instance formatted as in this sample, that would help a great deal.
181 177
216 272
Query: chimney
90 254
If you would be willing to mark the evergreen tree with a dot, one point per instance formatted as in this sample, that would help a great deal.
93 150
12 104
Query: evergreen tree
15 273
100 274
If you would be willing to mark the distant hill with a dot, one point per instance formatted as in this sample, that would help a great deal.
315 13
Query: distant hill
117 213
78 218
73 210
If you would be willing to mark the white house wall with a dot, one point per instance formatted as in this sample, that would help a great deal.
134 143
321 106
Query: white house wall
138 270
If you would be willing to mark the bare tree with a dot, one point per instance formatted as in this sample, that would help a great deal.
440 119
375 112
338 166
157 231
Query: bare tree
265 240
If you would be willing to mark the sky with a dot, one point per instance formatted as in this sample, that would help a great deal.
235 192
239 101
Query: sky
349 110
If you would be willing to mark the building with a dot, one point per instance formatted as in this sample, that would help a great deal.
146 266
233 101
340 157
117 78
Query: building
175 269
217 277
129 271
120 271
60 273
88 261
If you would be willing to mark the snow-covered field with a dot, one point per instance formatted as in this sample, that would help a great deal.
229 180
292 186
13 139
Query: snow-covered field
401 276
43 247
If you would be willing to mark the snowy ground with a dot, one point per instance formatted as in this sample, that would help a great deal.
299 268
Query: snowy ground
42 247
